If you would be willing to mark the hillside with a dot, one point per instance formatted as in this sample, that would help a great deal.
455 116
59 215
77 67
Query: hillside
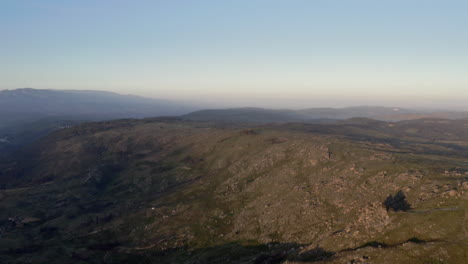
165 190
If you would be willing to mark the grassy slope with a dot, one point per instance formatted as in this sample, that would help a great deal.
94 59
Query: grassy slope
162 191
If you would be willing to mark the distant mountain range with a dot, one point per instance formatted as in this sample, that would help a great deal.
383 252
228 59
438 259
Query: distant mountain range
260 115
17 106
20 106
26 114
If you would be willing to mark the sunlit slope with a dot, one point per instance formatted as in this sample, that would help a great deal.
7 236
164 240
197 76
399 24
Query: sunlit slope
167 191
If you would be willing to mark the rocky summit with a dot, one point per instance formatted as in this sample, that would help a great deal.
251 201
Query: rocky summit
167 190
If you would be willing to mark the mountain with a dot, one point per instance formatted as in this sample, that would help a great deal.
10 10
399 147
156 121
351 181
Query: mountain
248 114
26 114
30 103
318 115
168 190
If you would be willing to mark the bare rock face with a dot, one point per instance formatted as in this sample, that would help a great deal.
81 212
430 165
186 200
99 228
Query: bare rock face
464 185
373 218
450 193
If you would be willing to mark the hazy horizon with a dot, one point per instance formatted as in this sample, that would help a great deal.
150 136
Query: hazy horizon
273 54
305 103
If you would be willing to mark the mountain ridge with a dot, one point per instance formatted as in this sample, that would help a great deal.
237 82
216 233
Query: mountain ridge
264 115
27 114
76 102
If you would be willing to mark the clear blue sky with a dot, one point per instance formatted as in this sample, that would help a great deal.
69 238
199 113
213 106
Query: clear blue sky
247 52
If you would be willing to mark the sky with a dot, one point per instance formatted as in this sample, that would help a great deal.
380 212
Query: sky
267 53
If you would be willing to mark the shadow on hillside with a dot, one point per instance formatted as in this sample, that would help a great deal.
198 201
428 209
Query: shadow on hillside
271 253
377 244
397 202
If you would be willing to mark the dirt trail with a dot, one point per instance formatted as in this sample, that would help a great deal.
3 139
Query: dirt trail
433 210
465 222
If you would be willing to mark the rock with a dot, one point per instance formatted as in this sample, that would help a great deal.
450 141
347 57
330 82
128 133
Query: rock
249 132
450 193
464 185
